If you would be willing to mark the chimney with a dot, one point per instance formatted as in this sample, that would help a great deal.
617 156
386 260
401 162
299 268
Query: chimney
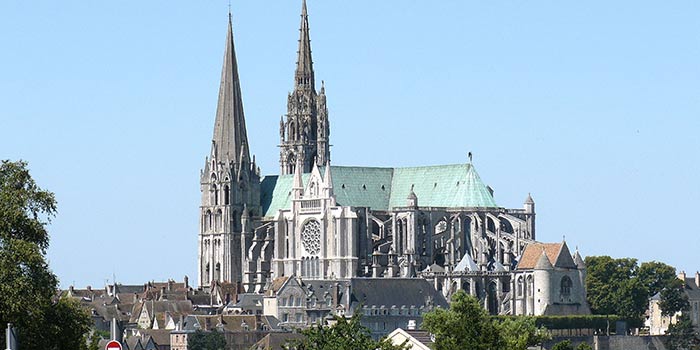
89 288
411 325
697 279
170 285
681 276
187 282
71 289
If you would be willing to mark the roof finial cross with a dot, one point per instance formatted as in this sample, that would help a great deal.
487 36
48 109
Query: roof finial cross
229 10
470 157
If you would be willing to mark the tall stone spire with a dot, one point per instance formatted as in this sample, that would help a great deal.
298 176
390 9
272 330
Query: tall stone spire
229 183
230 141
304 74
304 134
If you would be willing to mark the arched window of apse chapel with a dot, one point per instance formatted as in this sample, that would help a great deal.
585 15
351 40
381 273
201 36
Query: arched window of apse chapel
566 285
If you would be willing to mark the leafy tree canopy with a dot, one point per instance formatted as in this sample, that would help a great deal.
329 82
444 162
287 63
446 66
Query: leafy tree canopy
520 332
566 345
344 334
656 276
621 287
682 335
27 285
466 325
201 340
674 298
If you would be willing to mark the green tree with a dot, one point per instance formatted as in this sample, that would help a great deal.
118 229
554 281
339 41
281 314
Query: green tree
613 287
344 334
563 345
584 346
464 326
682 335
519 333
27 286
201 340
656 276
673 298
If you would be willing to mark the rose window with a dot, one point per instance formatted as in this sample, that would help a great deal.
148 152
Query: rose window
311 237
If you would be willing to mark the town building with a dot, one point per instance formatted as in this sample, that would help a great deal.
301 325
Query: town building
658 323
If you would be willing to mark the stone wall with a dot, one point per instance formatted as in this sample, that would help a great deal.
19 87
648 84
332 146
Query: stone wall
614 342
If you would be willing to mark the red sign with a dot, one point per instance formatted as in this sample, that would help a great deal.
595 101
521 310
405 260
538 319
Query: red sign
113 345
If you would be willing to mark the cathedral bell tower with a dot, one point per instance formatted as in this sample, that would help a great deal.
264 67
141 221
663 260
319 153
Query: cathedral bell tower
304 135
230 182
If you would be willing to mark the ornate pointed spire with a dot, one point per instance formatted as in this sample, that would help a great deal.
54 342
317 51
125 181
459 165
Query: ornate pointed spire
328 180
298 184
304 75
230 138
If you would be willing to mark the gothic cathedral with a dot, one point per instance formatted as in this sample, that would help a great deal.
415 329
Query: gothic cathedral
321 222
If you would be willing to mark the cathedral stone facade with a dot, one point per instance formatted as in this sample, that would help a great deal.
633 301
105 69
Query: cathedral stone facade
318 221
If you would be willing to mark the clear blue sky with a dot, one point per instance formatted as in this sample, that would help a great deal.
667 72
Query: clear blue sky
593 107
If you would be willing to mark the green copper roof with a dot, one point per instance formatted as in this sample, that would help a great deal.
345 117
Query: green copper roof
450 186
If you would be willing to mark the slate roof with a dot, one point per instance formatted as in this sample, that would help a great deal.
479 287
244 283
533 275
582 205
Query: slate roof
449 186
421 336
160 336
274 341
129 288
692 289
249 301
394 291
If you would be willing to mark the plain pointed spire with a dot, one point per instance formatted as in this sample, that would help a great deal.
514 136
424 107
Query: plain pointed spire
230 137
304 74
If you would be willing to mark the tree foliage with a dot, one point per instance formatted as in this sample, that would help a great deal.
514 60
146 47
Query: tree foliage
682 335
673 298
466 325
563 345
27 285
613 287
520 332
344 334
201 340
656 276
621 287
566 345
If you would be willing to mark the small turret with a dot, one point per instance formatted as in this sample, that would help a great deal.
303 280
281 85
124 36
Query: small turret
412 200
529 204
578 260
375 263
543 262
328 181
298 186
